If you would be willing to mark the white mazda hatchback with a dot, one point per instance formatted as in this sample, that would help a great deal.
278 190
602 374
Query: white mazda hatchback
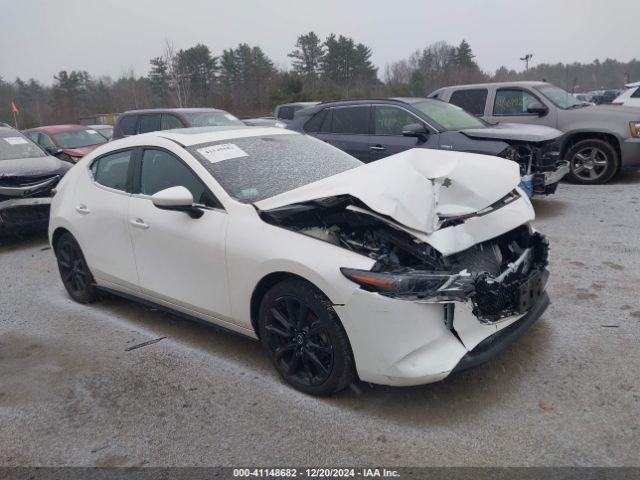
397 272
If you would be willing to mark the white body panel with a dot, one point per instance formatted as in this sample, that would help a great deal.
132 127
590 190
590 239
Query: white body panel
209 267
181 259
99 218
625 97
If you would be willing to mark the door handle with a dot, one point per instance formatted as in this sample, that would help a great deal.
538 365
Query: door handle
378 148
138 223
83 209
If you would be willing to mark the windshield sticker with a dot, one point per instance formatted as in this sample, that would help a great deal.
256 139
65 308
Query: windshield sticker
92 131
15 140
224 151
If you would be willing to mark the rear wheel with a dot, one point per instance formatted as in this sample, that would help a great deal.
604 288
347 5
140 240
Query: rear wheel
75 274
592 162
305 341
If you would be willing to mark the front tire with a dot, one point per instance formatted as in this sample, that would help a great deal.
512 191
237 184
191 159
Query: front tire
592 162
74 271
304 339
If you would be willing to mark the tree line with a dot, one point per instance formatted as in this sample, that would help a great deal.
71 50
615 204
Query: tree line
246 82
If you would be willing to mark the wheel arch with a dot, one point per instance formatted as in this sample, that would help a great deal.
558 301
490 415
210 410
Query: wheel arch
574 137
57 233
264 285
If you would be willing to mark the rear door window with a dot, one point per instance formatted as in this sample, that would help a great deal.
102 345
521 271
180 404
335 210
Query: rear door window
112 170
149 123
636 94
128 124
170 121
391 120
512 102
473 101
351 120
314 125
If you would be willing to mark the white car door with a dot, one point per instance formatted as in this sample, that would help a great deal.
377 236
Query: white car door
101 201
180 260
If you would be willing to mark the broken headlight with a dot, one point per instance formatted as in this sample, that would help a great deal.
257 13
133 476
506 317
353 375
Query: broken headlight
405 284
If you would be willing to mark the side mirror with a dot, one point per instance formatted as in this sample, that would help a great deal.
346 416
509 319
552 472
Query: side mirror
537 108
178 199
55 151
415 130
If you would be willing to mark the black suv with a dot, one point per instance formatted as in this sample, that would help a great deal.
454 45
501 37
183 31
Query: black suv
371 129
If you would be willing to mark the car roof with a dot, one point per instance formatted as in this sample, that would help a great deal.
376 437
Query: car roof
53 129
6 130
631 85
296 104
172 110
390 100
521 83
199 135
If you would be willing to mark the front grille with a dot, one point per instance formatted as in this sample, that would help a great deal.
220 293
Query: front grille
27 187
514 293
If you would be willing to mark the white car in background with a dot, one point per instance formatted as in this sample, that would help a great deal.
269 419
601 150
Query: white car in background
398 272
630 97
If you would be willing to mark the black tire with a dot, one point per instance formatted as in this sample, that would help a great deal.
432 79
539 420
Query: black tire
592 162
304 339
74 271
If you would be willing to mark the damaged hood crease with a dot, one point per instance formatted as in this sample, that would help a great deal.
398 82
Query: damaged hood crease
415 188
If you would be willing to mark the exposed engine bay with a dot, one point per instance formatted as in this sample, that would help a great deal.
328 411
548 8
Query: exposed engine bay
536 160
501 277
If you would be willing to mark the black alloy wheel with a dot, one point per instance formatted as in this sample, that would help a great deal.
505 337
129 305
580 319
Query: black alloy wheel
74 272
304 338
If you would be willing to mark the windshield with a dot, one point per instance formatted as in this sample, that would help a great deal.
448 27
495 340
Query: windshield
211 119
79 138
449 116
13 145
252 169
559 97
106 132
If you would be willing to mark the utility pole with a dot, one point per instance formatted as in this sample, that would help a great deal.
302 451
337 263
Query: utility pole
526 59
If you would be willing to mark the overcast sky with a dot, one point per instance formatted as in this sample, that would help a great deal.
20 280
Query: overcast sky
106 37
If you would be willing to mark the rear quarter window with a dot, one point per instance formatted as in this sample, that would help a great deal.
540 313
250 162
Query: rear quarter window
473 101
128 124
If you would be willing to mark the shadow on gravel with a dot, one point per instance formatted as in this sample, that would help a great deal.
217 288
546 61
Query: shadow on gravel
11 242
627 178
548 207
459 398
456 399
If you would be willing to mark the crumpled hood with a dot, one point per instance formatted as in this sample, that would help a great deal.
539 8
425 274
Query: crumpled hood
414 187
514 131
80 151
37 167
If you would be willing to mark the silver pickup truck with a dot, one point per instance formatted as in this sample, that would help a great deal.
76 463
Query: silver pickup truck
599 140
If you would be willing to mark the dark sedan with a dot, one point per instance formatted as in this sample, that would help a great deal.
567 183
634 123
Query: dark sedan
27 176
371 129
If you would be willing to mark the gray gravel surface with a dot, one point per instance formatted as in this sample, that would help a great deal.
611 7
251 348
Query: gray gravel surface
567 393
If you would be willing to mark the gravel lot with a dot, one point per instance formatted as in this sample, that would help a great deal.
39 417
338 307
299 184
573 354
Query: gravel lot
566 394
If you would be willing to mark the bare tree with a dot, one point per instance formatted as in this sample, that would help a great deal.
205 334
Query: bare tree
179 81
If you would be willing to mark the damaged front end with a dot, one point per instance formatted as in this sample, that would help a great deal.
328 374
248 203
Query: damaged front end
541 167
498 278
25 201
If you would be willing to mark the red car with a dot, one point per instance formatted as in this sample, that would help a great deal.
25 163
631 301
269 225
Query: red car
67 142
